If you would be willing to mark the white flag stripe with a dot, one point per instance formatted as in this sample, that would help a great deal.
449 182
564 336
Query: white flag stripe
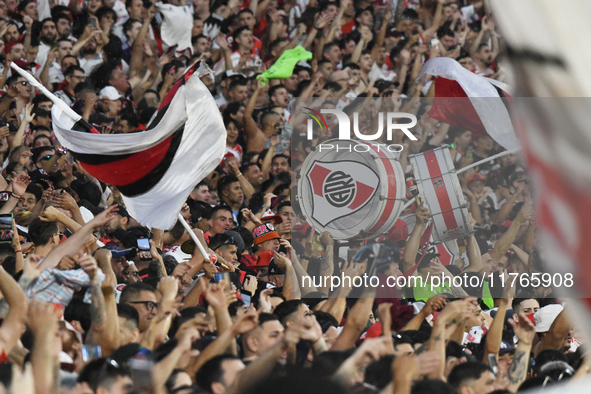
452 187
484 97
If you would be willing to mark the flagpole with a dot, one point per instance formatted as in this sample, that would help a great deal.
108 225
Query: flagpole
487 160
194 237
412 200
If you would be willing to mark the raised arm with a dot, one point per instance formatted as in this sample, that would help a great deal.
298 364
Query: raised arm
13 325
137 50
525 332
474 256
505 242
414 241
495 333
77 240
18 137
43 323
255 136
356 321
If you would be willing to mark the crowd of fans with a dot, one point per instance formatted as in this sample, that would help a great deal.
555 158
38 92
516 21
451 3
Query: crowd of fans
93 302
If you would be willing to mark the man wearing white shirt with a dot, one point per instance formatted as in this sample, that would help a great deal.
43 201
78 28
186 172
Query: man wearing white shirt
47 39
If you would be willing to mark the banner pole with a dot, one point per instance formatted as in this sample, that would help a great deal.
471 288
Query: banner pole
487 160
194 237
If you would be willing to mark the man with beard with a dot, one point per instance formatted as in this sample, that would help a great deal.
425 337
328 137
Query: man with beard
89 57
253 174
121 221
231 193
484 56
73 75
47 38
63 25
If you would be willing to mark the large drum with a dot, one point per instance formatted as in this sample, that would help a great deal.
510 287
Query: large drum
354 189
438 184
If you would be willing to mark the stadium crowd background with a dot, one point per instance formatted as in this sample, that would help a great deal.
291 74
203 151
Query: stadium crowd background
87 308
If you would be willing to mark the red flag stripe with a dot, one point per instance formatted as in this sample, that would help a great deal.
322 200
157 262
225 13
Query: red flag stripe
132 168
441 192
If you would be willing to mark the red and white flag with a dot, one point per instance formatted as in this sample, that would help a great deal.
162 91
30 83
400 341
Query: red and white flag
155 170
469 101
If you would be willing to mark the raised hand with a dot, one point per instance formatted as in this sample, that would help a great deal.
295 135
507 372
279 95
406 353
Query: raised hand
247 322
104 217
89 265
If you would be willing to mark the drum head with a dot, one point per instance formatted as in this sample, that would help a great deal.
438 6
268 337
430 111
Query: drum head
342 189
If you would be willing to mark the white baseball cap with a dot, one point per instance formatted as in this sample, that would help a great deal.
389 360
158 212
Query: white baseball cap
110 92
545 316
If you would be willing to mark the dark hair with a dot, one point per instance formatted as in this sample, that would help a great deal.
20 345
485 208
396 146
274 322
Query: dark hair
546 356
282 205
279 155
41 232
60 15
109 372
220 207
466 371
172 378
379 373
212 371
326 320
445 31
132 290
523 296
245 10
327 363
276 42
225 182
128 25
428 386
83 86
70 70
265 317
275 88
67 57
239 31
129 313
102 11
410 14
231 109
287 308
238 82
34 189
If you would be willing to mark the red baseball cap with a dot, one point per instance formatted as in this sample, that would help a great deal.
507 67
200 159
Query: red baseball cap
476 177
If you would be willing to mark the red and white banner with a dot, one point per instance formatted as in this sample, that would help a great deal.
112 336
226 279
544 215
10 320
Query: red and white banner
155 170
469 101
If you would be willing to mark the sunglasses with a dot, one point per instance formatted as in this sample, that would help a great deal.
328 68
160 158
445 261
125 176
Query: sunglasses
46 157
24 83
